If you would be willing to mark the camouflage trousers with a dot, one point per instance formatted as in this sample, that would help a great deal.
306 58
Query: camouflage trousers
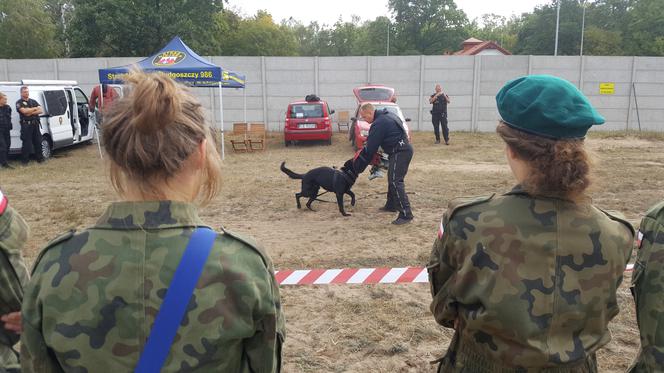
463 356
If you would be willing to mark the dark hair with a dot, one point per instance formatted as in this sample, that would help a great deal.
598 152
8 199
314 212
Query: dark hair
150 134
104 88
558 168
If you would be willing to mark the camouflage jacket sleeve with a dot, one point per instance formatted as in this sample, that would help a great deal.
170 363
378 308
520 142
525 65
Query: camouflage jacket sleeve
13 276
445 262
647 285
265 347
35 354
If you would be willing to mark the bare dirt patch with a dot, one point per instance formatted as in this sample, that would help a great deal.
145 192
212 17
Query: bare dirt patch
385 328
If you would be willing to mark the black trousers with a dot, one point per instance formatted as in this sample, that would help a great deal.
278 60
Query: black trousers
5 144
396 188
440 119
31 138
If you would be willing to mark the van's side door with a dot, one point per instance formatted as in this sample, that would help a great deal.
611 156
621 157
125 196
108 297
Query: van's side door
58 115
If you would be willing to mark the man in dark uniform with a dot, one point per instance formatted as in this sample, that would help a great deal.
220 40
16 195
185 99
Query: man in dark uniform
439 114
388 132
29 111
5 127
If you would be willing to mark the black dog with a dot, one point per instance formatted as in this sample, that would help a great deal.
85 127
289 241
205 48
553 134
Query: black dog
337 181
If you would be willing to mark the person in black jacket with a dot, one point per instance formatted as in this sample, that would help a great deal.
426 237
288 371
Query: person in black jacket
439 100
29 111
388 132
5 127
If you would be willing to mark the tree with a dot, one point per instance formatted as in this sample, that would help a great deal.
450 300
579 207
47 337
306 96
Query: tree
646 28
139 28
428 26
344 38
27 30
372 40
537 34
260 36
598 42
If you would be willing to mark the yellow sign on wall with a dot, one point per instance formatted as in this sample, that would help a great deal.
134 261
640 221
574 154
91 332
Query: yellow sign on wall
607 88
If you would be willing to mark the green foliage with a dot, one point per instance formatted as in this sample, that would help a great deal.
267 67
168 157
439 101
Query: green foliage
538 32
598 42
428 26
88 28
139 28
26 30
646 26
258 36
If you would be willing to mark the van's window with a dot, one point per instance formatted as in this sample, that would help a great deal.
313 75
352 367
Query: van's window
80 97
56 102
306 111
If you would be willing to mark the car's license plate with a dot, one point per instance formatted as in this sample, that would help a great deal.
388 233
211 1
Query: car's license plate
306 125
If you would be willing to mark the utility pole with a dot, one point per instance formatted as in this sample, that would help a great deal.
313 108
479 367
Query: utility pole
555 51
387 52
583 25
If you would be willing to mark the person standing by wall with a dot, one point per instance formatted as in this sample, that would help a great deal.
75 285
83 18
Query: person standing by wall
29 111
439 100
5 127
101 99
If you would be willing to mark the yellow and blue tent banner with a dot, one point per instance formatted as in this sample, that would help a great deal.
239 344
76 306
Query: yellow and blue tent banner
179 62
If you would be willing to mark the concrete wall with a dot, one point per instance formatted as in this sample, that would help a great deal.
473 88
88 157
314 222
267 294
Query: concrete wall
471 82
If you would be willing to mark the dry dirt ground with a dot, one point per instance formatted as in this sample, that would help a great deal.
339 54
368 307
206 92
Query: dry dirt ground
385 328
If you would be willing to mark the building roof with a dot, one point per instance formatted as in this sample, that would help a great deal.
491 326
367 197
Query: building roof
474 46
472 41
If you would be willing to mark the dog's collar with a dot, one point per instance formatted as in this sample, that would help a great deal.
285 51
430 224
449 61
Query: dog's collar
348 177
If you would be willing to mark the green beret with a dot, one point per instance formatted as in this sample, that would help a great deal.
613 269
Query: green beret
547 106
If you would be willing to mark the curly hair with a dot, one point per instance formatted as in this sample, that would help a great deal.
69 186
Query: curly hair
558 168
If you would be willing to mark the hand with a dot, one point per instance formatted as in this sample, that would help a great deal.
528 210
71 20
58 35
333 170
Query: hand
13 322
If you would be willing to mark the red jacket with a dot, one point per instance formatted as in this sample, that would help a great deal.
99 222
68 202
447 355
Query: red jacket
104 103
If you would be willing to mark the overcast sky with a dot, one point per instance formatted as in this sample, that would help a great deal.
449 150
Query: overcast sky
328 11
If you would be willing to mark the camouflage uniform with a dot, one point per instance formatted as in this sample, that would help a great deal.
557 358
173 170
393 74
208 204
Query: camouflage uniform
648 291
529 284
13 276
94 296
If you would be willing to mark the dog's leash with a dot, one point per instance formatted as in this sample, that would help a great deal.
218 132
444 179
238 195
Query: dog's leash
322 200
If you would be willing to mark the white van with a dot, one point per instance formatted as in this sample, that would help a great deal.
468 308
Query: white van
66 119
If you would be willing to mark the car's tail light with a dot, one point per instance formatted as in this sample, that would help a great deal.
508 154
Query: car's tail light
327 122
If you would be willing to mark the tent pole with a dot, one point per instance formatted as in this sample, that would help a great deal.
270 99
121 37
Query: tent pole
221 117
244 91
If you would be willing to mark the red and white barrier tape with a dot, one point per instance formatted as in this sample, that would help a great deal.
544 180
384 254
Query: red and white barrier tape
405 275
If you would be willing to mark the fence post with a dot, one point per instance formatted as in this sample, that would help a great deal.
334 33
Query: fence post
421 95
631 93
316 71
264 89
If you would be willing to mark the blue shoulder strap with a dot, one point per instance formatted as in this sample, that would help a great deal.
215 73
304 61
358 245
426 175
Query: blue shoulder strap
179 293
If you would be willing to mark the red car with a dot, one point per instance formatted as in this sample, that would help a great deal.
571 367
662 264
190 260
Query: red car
308 120
381 97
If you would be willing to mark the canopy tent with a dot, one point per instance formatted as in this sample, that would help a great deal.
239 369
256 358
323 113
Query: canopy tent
182 64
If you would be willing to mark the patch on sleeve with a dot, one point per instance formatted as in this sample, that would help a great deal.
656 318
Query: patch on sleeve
441 230
639 239
3 203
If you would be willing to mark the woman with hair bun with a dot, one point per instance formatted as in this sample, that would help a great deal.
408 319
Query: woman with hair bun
528 279
150 287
